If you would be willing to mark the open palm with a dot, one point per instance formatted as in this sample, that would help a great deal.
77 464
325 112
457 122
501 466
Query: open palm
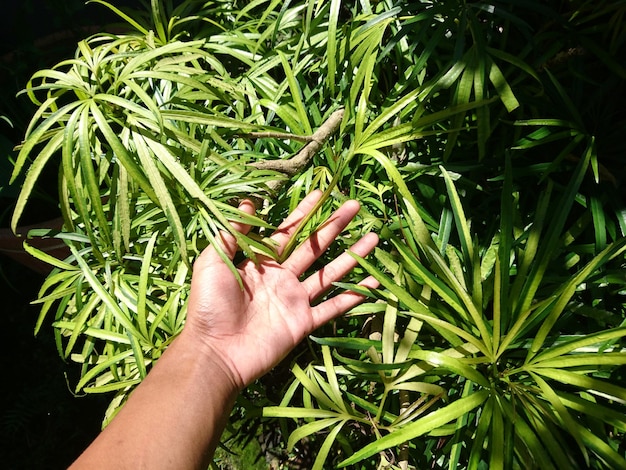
253 328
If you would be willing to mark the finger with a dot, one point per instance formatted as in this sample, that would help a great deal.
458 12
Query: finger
225 240
306 254
286 229
321 281
341 303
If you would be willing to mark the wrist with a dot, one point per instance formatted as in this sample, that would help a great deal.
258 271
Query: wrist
211 359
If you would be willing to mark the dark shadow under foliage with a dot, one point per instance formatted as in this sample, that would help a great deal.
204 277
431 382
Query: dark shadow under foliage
42 425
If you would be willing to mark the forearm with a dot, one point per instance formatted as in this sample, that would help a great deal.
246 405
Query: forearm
173 420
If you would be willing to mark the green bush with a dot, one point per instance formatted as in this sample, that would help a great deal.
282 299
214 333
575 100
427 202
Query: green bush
483 140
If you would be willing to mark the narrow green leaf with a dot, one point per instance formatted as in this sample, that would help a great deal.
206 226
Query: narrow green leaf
419 387
496 439
602 449
452 364
32 176
296 95
49 259
105 297
111 361
599 222
298 413
331 45
513 60
482 431
112 387
80 321
387 114
502 87
578 360
420 311
451 75
429 278
208 119
607 414
90 181
550 243
132 168
322 453
412 206
313 388
70 153
532 244
579 343
459 218
161 191
310 428
64 282
591 385
360 344
122 15
427 423
408 339
389 330
528 436
138 355
158 19
568 421
142 288
568 291
475 313
329 367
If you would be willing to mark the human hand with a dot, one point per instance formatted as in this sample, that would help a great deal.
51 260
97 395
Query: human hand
250 330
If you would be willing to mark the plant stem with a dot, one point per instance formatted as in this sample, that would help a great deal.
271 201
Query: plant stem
295 164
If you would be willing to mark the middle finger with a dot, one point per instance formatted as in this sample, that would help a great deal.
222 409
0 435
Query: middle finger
286 229
306 254
318 283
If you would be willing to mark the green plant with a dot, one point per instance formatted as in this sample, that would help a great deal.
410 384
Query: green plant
410 107
235 457
156 134
129 143
484 356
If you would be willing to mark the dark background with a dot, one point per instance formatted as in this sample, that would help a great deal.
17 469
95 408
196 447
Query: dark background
42 425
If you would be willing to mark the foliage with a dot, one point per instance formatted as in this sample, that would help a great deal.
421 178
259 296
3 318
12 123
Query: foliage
483 141
480 356
233 457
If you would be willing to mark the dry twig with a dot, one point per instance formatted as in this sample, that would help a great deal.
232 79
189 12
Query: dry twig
298 162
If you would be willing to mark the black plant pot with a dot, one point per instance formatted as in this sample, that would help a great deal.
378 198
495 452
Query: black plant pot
12 245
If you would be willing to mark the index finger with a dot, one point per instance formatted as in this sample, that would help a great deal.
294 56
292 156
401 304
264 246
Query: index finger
287 228
306 254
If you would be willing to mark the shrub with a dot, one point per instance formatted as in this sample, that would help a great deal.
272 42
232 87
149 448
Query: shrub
483 142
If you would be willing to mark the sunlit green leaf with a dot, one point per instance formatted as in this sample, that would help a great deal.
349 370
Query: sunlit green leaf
421 426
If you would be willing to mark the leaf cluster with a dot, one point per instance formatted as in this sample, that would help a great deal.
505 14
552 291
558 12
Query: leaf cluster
480 354
483 141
